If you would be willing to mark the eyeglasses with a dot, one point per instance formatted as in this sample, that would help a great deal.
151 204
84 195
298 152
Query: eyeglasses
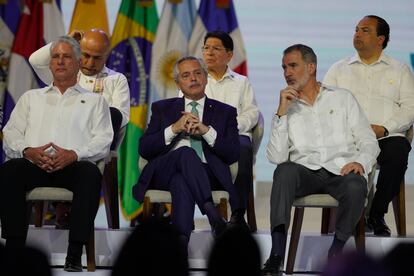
214 49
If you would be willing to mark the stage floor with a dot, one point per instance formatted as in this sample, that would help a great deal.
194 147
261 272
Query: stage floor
311 254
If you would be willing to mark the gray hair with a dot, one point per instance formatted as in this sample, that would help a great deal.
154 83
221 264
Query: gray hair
69 40
182 59
308 55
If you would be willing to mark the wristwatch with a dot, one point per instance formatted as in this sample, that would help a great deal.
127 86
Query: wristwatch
385 131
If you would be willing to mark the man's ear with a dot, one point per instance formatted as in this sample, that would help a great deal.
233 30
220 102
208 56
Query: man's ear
381 40
312 68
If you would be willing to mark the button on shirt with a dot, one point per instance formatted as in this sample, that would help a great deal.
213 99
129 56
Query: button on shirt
76 120
331 133
384 89
210 136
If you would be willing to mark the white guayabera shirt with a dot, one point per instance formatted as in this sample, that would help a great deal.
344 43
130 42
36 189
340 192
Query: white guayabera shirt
384 89
331 133
76 120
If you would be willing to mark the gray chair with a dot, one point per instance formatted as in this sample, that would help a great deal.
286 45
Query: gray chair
327 203
152 196
41 195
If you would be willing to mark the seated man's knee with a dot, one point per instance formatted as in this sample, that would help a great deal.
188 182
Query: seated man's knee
187 154
356 186
286 168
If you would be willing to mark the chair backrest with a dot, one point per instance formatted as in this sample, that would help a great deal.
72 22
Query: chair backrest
257 136
142 162
409 134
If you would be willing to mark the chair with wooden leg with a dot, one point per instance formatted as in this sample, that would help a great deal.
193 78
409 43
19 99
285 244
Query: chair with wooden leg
257 136
110 183
41 195
220 198
328 204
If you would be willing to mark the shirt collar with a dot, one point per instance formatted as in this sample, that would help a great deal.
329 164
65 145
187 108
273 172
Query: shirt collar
382 58
104 72
52 88
229 74
200 101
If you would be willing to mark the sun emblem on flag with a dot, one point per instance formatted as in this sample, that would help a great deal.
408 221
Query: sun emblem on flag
165 66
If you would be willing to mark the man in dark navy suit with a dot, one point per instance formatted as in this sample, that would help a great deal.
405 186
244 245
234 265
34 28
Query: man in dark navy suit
190 143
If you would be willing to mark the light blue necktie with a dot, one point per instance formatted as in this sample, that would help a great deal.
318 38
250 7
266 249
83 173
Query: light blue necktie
196 141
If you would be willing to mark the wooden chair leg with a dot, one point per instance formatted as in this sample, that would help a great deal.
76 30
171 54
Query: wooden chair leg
110 192
294 239
146 208
360 234
90 252
39 207
223 208
326 217
399 211
251 216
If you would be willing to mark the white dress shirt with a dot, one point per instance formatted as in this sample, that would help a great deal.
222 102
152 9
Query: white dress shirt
331 133
76 120
384 89
235 90
112 85
210 136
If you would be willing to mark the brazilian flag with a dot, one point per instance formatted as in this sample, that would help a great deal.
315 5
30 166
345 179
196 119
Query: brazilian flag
131 44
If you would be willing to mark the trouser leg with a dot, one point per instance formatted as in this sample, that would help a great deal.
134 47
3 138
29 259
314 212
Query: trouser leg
244 179
350 191
290 180
393 160
18 177
183 205
84 180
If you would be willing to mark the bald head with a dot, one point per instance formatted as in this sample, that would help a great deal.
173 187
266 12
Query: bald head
95 46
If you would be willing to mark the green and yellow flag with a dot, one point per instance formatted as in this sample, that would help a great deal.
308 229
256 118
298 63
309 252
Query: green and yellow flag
89 14
131 44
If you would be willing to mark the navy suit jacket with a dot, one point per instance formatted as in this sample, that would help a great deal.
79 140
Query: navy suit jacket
226 149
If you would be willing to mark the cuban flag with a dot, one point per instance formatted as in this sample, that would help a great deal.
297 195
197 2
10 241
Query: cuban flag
9 20
40 23
220 15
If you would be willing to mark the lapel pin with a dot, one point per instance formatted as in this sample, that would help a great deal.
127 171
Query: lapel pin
82 101
331 111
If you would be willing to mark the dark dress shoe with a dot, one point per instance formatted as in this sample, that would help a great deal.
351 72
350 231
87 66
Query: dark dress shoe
238 221
379 226
72 265
273 265
219 228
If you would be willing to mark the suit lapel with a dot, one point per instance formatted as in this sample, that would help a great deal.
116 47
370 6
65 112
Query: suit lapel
208 112
176 108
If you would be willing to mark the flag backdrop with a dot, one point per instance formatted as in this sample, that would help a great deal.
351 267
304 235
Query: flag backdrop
171 42
9 19
219 15
40 23
131 44
88 15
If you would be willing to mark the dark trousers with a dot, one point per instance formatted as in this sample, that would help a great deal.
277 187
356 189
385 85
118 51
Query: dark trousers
244 179
183 174
116 119
292 180
393 160
19 176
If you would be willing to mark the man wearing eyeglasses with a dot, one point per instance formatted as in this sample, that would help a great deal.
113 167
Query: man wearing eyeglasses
233 89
